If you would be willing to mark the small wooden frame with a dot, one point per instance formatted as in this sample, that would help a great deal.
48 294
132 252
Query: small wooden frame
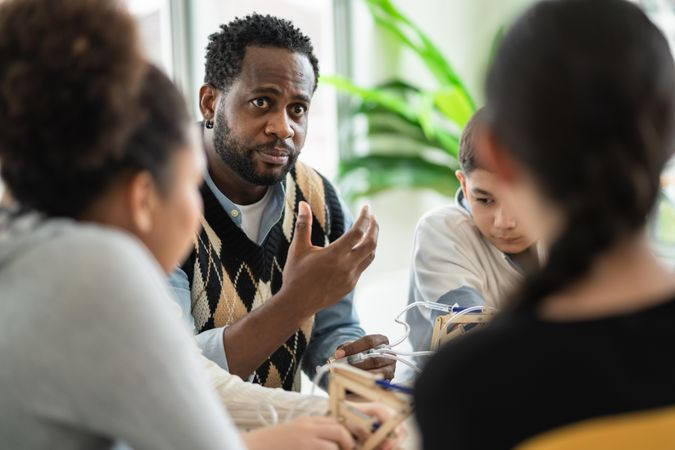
364 384
454 324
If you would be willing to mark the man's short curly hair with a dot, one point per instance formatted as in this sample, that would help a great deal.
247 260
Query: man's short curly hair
227 48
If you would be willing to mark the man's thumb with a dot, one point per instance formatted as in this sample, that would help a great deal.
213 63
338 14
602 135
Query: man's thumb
302 237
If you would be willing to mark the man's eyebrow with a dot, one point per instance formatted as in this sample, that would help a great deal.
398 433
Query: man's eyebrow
303 98
276 91
480 191
267 90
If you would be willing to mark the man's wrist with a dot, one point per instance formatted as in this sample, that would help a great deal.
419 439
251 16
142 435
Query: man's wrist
291 299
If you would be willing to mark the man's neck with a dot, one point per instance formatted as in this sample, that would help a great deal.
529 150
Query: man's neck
229 182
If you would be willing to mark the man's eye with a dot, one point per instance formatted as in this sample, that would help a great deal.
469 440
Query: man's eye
261 102
299 110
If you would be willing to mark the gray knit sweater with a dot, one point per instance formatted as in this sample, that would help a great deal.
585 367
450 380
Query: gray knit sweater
90 349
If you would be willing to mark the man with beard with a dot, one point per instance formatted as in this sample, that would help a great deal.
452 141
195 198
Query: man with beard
268 284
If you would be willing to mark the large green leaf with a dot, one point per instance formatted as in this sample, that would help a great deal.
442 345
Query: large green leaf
370 174
387 16
454 105
374 95
421 115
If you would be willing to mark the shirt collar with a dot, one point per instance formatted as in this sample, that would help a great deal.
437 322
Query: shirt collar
271 215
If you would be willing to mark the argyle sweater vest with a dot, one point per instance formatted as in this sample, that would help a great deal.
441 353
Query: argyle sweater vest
230 275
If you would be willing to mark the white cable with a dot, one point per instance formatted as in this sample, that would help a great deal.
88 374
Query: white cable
272 411
470 310
430 305
419 353
379 354
384 352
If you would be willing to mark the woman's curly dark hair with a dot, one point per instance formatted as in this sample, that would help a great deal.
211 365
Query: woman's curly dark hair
162 129
227 48
70 74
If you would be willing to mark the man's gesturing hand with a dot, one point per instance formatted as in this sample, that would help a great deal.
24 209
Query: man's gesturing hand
319 277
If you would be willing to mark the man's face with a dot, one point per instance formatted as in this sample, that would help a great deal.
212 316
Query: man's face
261 121
491 212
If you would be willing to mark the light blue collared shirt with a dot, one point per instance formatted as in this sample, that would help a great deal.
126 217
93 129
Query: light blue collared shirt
332 326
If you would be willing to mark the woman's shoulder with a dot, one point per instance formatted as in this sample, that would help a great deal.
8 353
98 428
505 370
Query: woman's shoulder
96 247
94 262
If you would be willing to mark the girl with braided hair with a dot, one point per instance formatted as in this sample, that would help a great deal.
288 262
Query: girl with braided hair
580 115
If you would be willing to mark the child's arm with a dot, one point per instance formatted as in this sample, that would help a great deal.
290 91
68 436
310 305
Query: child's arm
445 269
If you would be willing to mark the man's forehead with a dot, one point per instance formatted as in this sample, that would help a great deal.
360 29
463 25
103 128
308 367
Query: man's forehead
274 66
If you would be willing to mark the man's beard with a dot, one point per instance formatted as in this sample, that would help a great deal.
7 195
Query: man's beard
241 158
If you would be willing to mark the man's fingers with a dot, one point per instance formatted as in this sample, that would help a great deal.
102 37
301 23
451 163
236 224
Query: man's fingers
368 243
388 372
357 232
375 363
339 351
302 238
365 263
365 343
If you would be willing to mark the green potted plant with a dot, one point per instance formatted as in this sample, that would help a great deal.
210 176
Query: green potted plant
412 133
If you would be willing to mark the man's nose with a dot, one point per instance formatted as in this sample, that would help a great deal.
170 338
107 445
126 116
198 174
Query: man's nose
280 126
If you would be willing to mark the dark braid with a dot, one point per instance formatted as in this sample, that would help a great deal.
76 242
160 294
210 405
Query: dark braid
581 93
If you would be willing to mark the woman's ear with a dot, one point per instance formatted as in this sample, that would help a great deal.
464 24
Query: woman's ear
495 157
208 95
143 202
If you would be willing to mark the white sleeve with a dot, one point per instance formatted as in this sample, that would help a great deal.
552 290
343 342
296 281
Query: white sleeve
247 402
445 255
128 368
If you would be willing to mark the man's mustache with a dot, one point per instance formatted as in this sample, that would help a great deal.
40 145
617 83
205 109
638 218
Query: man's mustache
274 145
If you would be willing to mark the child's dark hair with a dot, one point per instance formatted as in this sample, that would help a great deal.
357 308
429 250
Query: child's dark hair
227 48
70 118
581 92
467 143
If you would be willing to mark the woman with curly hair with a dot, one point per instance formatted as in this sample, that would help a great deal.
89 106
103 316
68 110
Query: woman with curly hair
98 154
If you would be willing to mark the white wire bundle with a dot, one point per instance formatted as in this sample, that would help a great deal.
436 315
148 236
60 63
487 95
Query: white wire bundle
383 351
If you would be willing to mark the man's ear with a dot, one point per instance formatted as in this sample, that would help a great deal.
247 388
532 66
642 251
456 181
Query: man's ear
208 96
143 202
495 157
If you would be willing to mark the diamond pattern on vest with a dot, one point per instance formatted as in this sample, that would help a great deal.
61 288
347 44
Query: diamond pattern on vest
231 275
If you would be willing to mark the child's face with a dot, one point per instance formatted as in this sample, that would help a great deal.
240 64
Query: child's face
491 212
